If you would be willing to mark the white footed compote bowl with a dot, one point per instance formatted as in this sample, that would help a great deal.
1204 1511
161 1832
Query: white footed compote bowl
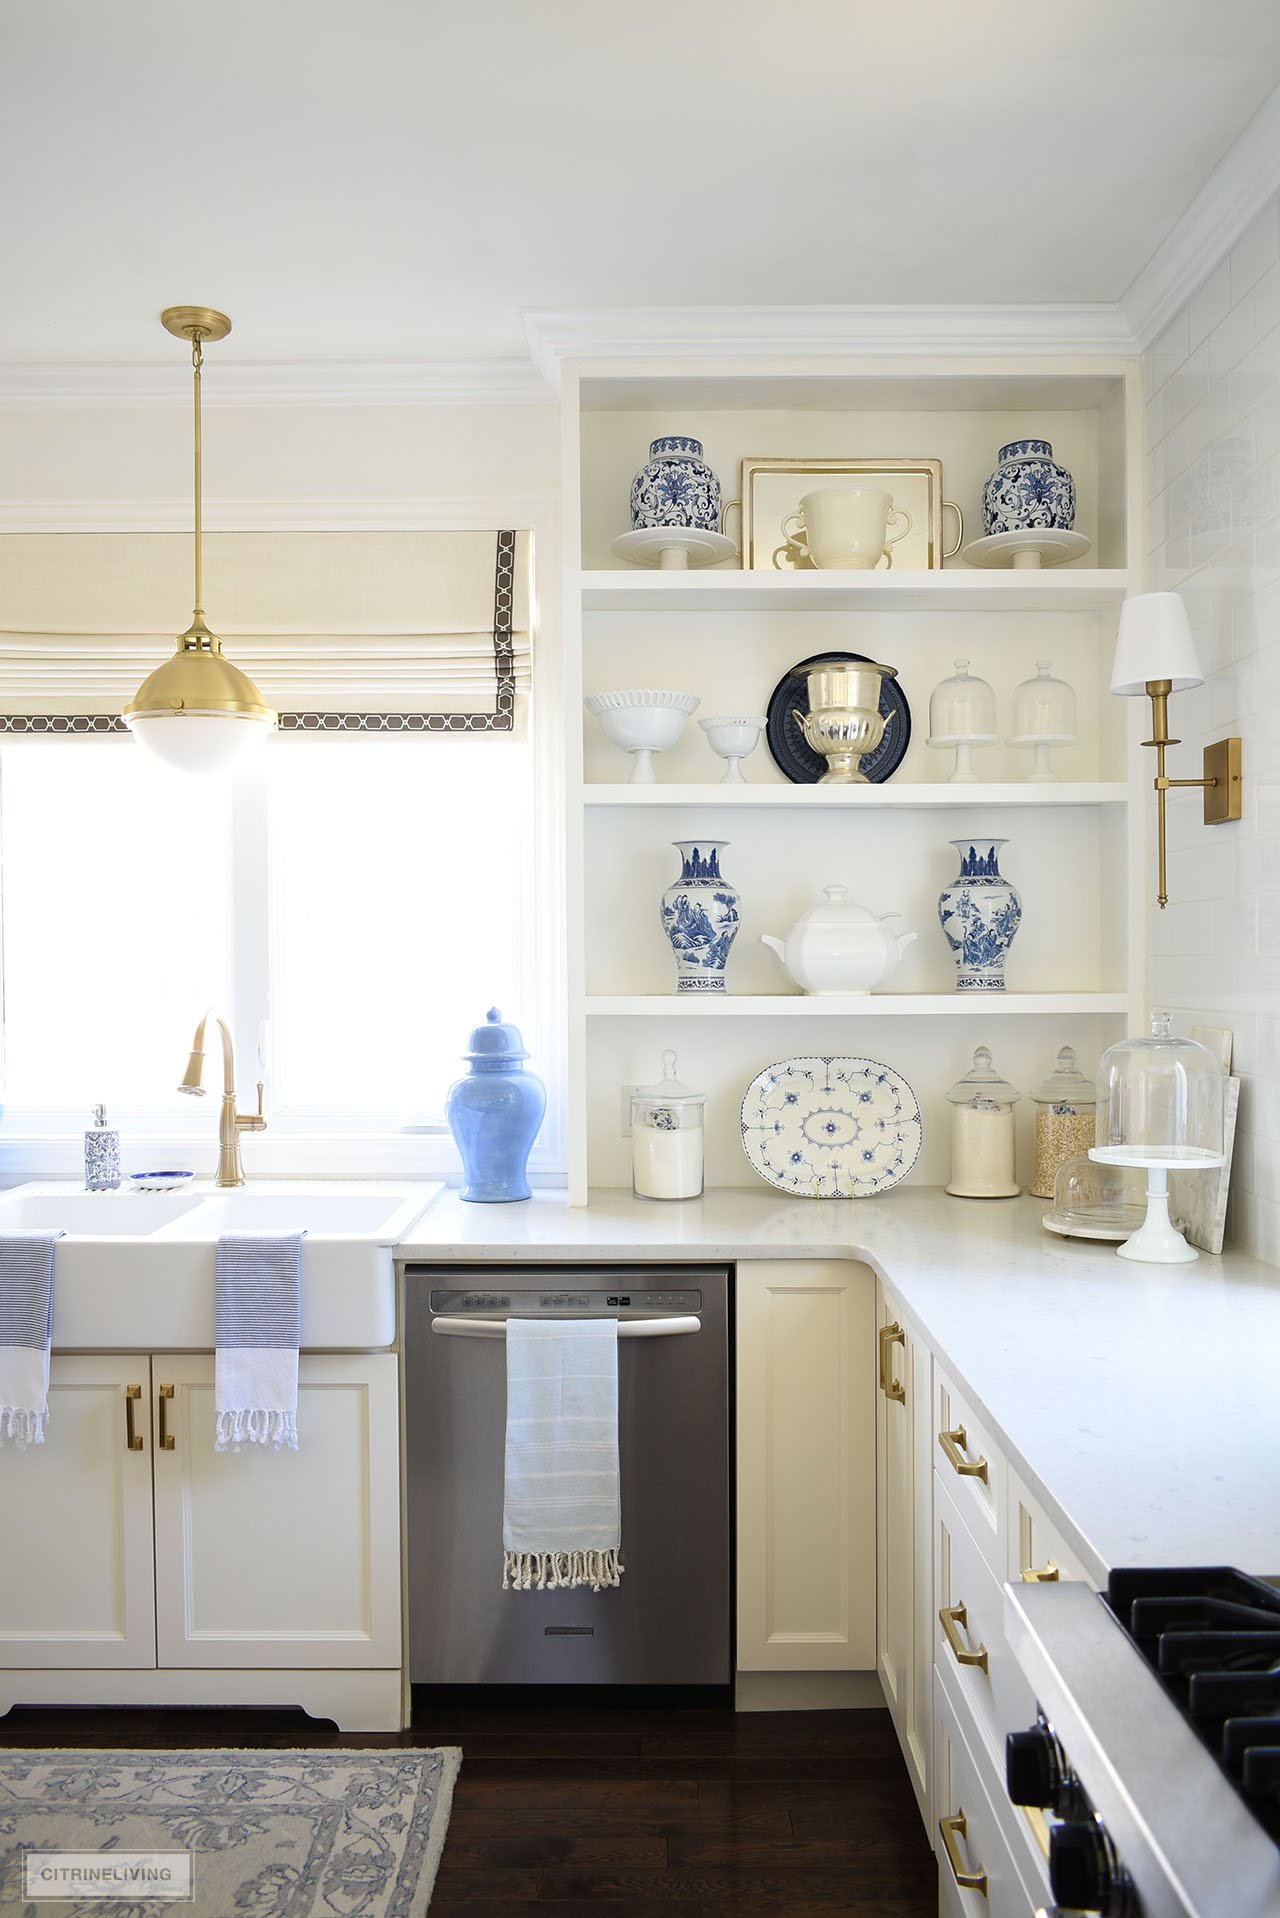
734 739
642 722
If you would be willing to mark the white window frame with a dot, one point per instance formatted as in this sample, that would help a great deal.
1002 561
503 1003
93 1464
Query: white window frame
49 1145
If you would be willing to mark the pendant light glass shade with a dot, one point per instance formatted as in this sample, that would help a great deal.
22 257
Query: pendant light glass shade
198 712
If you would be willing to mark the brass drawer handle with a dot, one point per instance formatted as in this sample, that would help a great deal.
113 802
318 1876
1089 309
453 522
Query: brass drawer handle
1048 1574
954 1828
953 1444
132 1393
891 1335
166 1436
951 1618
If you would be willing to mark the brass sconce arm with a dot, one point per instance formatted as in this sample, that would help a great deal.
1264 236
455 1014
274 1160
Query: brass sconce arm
1221 783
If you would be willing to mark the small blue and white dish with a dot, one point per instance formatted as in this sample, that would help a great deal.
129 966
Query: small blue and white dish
158 1181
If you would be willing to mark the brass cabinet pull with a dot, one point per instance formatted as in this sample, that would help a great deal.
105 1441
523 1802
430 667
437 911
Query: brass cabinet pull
1038 1825
951 1618
165 1440
891 1335
954 1828
1048 1574
132 1393
953 1444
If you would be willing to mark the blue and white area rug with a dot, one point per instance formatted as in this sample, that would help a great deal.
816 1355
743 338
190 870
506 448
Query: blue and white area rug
270 1834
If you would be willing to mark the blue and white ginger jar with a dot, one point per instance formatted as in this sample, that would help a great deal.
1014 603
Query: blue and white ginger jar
494 1114
980 913
676 487
700 916
1028 489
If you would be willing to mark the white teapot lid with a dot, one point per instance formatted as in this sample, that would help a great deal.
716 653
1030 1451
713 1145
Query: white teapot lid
835 908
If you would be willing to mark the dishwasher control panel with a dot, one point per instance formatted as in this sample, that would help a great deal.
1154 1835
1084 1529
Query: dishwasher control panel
525 1304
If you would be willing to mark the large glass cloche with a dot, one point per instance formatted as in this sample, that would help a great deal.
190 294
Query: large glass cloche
1160 1106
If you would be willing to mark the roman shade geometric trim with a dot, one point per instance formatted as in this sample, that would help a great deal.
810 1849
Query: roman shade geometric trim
421 632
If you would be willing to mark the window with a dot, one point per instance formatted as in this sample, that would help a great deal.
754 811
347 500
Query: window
355 901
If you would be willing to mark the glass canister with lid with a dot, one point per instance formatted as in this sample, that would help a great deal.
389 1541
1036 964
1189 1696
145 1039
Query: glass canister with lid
667 1132
982 1132
1066 1117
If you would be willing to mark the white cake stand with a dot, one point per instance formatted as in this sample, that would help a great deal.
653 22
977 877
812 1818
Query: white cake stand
1042 772
674 548
962 773
1028 547
1158 1240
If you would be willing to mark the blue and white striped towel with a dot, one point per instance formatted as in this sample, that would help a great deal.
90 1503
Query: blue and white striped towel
26 1326
562 1516
259 1314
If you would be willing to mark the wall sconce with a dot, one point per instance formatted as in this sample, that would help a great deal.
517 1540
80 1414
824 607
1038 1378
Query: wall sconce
1156 655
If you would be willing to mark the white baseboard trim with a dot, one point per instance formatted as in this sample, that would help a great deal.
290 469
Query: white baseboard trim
356 1701
807 1692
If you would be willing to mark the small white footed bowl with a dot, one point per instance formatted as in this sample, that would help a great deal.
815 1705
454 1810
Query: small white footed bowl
731 736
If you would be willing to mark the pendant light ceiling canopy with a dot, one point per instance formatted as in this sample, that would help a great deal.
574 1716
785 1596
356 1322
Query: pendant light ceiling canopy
198 711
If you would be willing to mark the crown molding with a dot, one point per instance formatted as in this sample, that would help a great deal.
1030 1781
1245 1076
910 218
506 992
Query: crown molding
818 332
276 515
438 383
1240 185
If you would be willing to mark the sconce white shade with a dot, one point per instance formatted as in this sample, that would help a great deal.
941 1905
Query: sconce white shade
1155 642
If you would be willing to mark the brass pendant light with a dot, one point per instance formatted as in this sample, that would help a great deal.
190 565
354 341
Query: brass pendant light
198 711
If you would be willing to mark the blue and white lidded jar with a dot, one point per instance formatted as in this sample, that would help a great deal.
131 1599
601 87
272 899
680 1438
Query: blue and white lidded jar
494 1114
700 916
676 487
1028 489
101 1154
980 912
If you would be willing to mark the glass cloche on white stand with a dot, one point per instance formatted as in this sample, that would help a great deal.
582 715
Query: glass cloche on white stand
962 713
1160 1107
1044 715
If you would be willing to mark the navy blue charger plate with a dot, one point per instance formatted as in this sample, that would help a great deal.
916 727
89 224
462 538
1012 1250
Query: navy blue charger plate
792 752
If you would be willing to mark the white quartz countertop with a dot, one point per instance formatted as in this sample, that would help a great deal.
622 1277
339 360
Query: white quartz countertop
1140 1403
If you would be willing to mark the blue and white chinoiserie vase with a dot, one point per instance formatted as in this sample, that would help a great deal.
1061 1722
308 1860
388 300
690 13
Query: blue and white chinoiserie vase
1028 489
676 487
494 1114
700 916
980 913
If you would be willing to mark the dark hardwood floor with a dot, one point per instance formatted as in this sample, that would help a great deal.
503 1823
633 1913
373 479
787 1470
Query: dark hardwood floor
660 1814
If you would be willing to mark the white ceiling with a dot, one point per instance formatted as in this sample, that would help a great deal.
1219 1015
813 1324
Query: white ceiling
398 179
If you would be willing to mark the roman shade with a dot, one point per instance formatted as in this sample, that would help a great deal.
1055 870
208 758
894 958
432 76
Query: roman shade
416 631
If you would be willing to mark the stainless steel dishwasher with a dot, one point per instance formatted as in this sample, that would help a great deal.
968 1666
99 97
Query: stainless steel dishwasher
669 1621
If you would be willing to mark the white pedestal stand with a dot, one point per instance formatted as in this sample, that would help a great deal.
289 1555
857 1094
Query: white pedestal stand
1157 1240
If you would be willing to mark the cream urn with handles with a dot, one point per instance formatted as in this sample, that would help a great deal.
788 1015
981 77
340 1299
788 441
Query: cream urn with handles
838 946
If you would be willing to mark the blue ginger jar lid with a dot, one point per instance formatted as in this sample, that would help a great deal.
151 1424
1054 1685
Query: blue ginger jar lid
494 1045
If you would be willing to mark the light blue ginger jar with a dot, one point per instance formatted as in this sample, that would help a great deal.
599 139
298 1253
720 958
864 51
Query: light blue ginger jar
494 1114
980 913
700 916
1028 489
676 487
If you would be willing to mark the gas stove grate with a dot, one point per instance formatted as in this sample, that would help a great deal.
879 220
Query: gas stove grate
1212 1635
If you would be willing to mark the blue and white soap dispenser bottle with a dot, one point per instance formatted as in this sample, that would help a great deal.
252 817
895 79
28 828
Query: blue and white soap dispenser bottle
101 1154
494 1114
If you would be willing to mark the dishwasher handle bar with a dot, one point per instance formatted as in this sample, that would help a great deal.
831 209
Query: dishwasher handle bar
627 1328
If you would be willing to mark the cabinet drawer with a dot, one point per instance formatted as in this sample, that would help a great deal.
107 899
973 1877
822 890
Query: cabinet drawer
1037 1549
970 1465
970 1842
969 1642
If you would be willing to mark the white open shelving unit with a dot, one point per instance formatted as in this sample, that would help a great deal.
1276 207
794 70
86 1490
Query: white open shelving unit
1076 848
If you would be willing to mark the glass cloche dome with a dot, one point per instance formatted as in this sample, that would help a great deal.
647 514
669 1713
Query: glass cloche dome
1160 1101
1160 1106
962 713
1044 715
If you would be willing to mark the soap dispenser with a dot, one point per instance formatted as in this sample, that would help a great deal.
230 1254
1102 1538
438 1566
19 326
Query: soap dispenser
101 1154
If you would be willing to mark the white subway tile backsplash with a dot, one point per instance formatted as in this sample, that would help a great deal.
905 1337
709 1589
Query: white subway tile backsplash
1214 534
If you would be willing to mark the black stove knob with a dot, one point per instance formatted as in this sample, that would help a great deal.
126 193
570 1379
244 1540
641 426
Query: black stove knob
1085 1873
1032 1768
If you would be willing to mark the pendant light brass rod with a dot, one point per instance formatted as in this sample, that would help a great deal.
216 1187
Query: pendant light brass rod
197 359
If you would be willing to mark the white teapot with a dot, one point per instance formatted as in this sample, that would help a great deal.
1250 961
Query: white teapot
839 947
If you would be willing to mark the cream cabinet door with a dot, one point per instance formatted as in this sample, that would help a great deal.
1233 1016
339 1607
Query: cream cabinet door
904 1527
280 1559
806 1472
75 1516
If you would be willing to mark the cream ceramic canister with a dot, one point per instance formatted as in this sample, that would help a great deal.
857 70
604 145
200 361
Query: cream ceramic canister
838 946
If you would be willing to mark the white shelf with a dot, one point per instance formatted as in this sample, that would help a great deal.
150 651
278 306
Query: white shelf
783 1005
951 589
939 796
